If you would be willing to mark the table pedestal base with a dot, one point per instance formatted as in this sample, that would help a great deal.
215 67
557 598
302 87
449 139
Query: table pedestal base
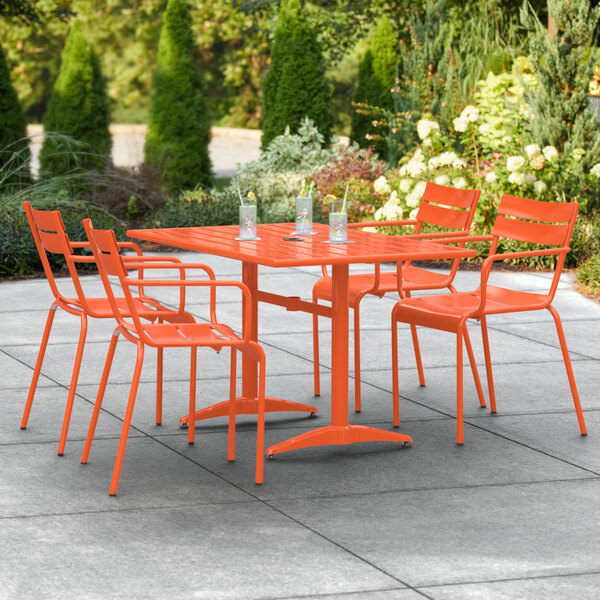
249 406
336 434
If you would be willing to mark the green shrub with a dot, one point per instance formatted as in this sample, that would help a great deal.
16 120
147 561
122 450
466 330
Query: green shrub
376 75
197 208
179 127
276 177
588 275
14 145
79 109
18 254
295 86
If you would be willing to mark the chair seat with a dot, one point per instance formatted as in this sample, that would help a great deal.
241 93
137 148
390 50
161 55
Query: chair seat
189 334
414 278
445 311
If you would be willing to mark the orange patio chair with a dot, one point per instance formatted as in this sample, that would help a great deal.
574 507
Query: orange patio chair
548 225
443 207
50 236
174 335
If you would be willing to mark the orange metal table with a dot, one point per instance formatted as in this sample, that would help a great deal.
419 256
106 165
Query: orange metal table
272 251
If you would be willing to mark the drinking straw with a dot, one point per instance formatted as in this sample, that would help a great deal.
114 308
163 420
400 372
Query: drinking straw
240 195
302 190
311 187
345 196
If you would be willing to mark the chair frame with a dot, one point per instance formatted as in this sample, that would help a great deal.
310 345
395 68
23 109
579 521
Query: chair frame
110 263
441 206
520 219
49 234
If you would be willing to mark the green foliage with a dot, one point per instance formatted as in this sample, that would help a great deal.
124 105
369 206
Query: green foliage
564 65
276 177
14 146
18 254
295 86
588 275
197 209
79 109
179 127
28 11
376 76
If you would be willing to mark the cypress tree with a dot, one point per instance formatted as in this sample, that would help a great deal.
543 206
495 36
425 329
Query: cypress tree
376 77
564 64
179 126
295 86
14 145
78 108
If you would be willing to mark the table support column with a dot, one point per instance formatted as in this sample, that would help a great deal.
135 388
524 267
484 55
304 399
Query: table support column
339 346
249 365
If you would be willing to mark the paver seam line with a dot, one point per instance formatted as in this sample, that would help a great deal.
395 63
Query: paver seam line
343 594
497 434
509 579
126 509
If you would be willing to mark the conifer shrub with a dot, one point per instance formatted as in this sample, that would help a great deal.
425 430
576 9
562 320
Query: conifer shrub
78 108
295 85
376 78
14 146
179 126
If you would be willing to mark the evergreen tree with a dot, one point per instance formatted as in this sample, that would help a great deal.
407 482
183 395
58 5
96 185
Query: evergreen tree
179 125
376 77
564 64
295 86
14 145
79 108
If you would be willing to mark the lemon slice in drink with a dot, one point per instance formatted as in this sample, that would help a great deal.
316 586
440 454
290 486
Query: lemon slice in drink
329 197
251 195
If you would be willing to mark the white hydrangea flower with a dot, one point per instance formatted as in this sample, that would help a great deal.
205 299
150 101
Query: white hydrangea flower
517 178
529 179
515 163
550 153
491 177
393 197
428 142
484 128
507 139
539 187
442 180
413 213
425 127
414 198
389 211
532 150
460 124
460 183
446 159
595 170
381 185
537 162
405 185
578 153
470 113
416 168
459 163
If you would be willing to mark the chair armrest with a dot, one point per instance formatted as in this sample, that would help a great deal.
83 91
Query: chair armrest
131 245
464 238
213 284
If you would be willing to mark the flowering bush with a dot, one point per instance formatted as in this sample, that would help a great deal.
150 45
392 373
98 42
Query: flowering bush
362 173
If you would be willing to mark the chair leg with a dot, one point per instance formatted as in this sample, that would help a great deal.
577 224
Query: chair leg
38 365
232 397
474 368
73 385
395 390
459 388
159 385
488 364
357 390
99 397
192 403
570 375
316 368
114 484
260 424
415 341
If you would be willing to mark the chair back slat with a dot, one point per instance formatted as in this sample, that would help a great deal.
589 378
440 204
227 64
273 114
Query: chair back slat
533 233
535 210
442 216
108 251
449 196
51 229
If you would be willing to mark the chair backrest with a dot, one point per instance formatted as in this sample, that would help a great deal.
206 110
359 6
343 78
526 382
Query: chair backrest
447 207
536 222
50 236
109 261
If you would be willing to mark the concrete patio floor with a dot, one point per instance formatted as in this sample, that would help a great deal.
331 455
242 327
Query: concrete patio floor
511 514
